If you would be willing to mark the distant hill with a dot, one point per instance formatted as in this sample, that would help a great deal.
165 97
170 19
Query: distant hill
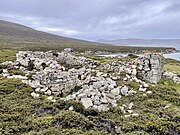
9 29
20 37
145 42
23 37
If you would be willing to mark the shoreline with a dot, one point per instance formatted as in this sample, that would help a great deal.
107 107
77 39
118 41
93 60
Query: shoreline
172 55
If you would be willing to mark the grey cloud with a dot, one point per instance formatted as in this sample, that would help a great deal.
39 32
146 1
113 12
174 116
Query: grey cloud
94 19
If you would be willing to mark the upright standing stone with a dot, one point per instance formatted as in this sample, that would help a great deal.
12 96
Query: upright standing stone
150 68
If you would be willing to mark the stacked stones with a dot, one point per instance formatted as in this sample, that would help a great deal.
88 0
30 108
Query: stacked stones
48 76
38 58
71 60
149 68
115 66
24 57
55 82
118 67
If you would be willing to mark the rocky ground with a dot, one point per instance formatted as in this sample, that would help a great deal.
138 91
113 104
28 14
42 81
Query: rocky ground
100 94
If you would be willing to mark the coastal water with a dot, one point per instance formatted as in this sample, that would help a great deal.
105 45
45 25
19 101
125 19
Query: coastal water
175 56
171 55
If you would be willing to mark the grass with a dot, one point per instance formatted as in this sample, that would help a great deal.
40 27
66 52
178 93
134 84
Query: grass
169 83
128 58
12 70
46 46
7 55
172 68
172 65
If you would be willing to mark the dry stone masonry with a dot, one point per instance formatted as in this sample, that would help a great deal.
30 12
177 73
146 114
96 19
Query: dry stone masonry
150 68
49 76
119 67
147 67
47 73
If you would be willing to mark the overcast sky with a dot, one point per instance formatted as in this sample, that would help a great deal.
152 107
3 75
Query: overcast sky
97 19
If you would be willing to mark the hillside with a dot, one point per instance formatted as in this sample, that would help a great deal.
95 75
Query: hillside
19 37
9 29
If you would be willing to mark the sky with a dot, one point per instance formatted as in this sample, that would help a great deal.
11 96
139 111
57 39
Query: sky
97 19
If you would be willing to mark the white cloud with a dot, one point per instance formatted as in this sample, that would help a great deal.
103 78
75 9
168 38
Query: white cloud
60 31
112 20
96 19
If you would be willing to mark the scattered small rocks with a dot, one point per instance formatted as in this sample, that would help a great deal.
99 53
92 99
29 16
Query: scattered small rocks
34 95
71 108
141 88
135 114
87 102
149 92
124 90
18 76
130 106
171 76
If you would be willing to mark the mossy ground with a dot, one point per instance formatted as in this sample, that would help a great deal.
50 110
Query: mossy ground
20 113
11 70
7 55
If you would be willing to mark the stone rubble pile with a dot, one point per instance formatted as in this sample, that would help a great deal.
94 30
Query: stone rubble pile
94 89
99 93
171 76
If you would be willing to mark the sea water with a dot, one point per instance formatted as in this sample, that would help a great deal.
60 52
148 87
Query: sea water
173 56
